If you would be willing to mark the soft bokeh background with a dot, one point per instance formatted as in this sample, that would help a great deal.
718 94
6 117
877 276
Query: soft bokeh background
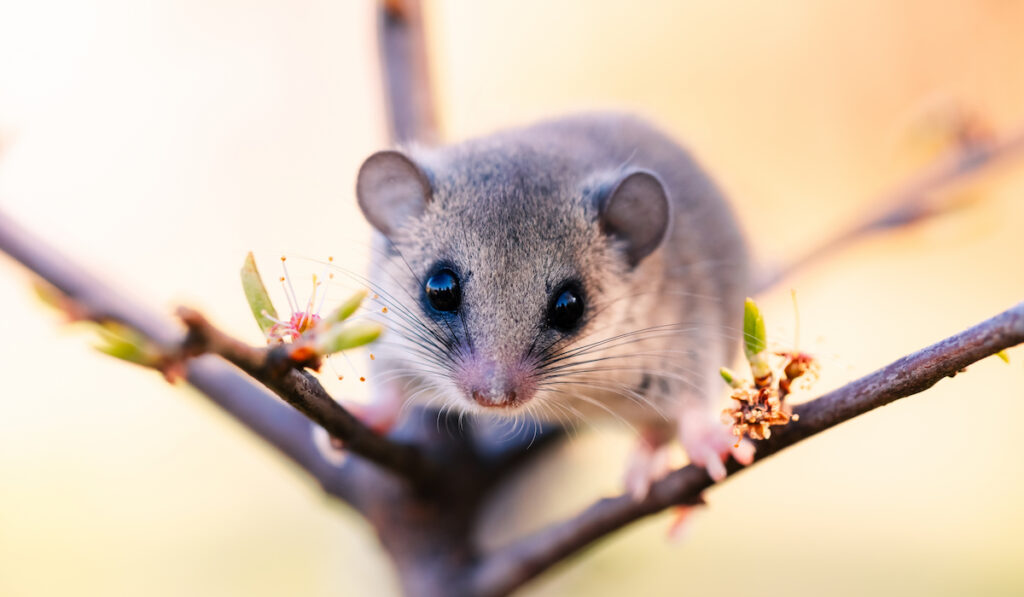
158 141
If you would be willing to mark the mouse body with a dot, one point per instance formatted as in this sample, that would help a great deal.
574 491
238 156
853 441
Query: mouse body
579 269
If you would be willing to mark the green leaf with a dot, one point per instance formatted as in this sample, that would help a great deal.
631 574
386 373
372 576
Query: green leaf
754 337
349 335
124 343
256 294
347 308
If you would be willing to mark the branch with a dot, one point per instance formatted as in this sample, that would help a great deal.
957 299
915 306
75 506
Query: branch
304 392
512 566
403 55
284 428
909 203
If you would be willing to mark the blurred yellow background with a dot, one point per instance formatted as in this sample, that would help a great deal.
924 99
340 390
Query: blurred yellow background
158 141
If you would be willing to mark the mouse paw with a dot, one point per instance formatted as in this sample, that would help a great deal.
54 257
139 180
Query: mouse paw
648 463
380 417
708 443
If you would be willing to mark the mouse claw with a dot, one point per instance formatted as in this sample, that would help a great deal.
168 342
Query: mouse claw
714 465
743 452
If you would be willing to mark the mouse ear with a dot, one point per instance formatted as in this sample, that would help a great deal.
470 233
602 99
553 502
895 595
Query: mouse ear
391 188
636 212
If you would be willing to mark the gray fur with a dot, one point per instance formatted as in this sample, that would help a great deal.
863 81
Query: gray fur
517 213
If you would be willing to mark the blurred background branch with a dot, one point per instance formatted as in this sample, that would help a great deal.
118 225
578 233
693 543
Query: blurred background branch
915 200
406 71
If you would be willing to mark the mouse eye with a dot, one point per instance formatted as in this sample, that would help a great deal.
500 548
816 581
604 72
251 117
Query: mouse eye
566 309
442 290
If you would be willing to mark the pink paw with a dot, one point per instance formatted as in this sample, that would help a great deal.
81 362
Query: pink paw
378 416
709 444
648 463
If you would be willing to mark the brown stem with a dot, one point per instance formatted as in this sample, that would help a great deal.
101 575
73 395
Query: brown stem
304 392
510 567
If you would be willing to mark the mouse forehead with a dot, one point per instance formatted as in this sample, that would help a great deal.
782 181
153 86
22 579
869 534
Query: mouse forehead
513 237
511 225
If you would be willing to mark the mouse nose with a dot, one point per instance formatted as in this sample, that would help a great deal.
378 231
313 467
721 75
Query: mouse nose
489 399
493 384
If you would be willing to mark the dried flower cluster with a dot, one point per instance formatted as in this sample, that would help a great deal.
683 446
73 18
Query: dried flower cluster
760 404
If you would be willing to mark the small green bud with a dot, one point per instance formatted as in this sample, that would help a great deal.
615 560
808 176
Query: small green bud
1002 354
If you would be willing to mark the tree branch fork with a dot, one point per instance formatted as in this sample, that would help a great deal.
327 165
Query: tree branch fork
417 467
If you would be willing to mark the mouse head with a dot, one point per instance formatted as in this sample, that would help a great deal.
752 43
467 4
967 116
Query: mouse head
508 260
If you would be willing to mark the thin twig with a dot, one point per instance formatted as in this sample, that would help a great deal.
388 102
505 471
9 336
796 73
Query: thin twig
510 567
279 425
911 202
304 392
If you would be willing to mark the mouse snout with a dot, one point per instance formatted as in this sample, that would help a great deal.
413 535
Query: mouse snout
492 384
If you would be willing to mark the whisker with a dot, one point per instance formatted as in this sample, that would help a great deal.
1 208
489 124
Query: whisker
397 306
617 388
666 374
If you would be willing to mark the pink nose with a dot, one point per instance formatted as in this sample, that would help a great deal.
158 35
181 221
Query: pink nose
495 384
489 400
